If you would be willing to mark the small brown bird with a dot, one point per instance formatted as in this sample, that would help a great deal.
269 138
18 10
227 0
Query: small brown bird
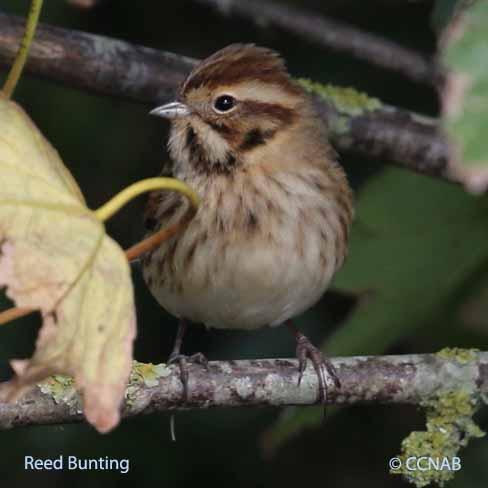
276 208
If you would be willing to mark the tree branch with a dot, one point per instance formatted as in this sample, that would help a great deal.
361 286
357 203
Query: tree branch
84 4
117 68
334 35
96 63
411 379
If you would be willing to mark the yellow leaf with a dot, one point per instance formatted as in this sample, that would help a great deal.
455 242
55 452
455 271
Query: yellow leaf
56 257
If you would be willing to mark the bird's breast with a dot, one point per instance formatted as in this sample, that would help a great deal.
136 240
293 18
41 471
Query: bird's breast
261 249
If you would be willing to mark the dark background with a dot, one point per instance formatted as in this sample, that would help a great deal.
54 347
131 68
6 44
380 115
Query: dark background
108 143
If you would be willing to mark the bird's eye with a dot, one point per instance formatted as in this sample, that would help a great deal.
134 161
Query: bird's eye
224 103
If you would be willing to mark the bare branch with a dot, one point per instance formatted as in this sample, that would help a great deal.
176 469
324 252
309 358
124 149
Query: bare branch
390 134
117 68
411 379
335 35
85 4
96 63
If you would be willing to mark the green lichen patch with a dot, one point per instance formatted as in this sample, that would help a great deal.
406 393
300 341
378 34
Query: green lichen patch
61 388
462 356
449 426
346 100
146 374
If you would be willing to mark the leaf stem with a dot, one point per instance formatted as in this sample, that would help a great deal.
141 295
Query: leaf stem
23 52
118 201
14 313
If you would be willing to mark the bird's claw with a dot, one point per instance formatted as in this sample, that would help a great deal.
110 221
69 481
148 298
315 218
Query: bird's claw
325 370
182 361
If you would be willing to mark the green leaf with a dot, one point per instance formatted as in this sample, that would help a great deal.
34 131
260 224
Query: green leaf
414 242
465 95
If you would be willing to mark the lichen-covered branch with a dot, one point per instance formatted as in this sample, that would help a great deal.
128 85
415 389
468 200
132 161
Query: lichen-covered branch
416 379
335 35
95 63
117 68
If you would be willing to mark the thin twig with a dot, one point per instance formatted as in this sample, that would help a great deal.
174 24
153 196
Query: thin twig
410 379
335 35
117 68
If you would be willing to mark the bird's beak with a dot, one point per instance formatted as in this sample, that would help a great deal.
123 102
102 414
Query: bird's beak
171 110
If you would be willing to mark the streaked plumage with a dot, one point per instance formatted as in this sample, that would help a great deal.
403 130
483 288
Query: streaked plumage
275 208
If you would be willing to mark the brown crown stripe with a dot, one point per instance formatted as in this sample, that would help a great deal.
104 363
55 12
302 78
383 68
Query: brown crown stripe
238 63
233 75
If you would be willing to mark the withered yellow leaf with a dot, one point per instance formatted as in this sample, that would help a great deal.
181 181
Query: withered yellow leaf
57 258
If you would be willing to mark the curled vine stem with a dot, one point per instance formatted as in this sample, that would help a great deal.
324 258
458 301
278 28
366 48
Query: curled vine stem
21 57
118 201
113 205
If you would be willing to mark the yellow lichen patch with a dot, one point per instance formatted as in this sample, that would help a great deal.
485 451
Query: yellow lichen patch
61 388
346 100
462 356
449 426
148 373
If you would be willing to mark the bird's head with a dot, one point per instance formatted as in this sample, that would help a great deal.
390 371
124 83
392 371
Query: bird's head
230 107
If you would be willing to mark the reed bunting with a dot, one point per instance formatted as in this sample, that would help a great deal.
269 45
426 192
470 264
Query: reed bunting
273 224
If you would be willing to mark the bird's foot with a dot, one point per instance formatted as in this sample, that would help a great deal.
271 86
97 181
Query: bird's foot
325 370
182 361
